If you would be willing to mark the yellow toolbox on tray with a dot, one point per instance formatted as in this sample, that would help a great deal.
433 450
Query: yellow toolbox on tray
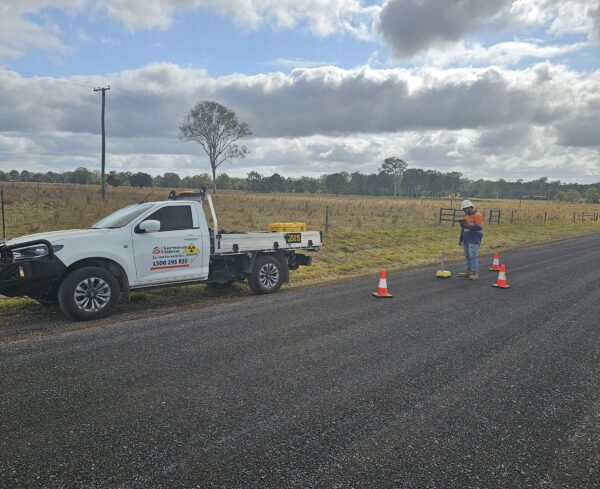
287 227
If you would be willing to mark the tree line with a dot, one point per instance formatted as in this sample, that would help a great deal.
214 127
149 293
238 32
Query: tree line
412 182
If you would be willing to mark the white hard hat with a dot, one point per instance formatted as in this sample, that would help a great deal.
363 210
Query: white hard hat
466 203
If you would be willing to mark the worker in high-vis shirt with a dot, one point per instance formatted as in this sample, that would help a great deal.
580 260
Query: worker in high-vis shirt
471 235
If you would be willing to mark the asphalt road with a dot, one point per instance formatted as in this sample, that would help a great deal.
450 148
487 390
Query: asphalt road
450 384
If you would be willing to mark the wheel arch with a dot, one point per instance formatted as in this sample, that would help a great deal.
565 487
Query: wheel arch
110 265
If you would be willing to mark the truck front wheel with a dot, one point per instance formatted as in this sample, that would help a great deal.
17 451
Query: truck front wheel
267 275
89 293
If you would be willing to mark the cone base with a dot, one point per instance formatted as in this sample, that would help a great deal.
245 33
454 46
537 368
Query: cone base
494 269
501 286
375 294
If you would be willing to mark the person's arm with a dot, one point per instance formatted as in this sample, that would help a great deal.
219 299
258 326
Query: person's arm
460 239
476 225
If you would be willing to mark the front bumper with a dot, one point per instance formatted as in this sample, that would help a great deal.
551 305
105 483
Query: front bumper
37 278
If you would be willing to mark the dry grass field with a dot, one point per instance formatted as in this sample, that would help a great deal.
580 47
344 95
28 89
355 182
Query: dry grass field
364 234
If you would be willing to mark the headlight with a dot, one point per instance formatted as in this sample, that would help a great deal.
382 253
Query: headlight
29 253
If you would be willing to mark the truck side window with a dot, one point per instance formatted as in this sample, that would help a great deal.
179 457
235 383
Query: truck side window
174 218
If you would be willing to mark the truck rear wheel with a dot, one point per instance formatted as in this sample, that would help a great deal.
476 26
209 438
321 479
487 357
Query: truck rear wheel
267 275
89 293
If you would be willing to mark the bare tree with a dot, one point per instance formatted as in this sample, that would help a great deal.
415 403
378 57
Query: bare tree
395 167
216 129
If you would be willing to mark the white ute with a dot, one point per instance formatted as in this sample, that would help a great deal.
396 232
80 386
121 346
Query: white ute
146 245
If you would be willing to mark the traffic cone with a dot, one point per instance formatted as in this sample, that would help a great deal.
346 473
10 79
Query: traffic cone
501 282
496 263
382 290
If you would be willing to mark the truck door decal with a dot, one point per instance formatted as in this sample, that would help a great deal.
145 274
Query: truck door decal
170 257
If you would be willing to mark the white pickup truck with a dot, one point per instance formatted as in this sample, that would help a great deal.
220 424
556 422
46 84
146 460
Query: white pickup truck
146 245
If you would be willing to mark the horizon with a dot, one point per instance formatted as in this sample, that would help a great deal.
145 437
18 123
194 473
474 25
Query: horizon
206 174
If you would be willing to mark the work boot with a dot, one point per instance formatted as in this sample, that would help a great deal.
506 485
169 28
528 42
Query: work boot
466 273
474 276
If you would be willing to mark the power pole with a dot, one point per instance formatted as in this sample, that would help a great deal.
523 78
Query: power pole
103 90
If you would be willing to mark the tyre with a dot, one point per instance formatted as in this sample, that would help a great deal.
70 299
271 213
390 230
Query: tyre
89 293
267 275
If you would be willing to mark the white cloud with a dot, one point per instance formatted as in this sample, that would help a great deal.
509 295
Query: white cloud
19 34
151 101
410 27
292 63
321 17
489 121
572 16
23 25
500 54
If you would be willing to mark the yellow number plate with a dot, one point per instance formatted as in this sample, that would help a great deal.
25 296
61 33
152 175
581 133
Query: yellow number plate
293 238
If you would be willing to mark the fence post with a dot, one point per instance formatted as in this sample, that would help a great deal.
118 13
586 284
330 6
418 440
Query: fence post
512 215
574 214
545 217
440 219
326 218
306 207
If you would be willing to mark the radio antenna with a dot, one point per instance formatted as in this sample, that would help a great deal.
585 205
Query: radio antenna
144 199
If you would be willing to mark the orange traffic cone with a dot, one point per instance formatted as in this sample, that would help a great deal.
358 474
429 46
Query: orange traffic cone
382 290
496 263
501 282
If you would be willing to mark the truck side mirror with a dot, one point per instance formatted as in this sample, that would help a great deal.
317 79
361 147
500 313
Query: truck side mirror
149 226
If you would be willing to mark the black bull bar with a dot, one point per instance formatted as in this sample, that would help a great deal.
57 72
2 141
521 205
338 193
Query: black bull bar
6 255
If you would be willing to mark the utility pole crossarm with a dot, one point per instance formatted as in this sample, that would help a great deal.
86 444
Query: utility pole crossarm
103 90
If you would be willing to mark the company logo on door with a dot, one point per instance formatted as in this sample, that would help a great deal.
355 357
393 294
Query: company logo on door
167 257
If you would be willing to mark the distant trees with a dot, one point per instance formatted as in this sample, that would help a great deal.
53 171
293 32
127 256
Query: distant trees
335 183
168 180
140 179
115 179
254 182
561 196
394 167
217 129
82 176
415 182
592 195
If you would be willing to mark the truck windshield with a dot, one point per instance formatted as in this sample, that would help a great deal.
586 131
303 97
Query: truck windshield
122 217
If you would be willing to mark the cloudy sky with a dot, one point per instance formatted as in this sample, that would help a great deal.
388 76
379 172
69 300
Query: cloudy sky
490 88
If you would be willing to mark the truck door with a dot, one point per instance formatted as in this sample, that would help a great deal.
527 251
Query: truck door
175 253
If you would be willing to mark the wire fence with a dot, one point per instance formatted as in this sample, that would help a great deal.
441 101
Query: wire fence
32 208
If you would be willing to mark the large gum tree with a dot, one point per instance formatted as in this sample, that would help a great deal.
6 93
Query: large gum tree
217 129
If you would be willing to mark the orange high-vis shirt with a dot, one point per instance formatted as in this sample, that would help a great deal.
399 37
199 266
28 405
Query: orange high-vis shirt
476 218
469 235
